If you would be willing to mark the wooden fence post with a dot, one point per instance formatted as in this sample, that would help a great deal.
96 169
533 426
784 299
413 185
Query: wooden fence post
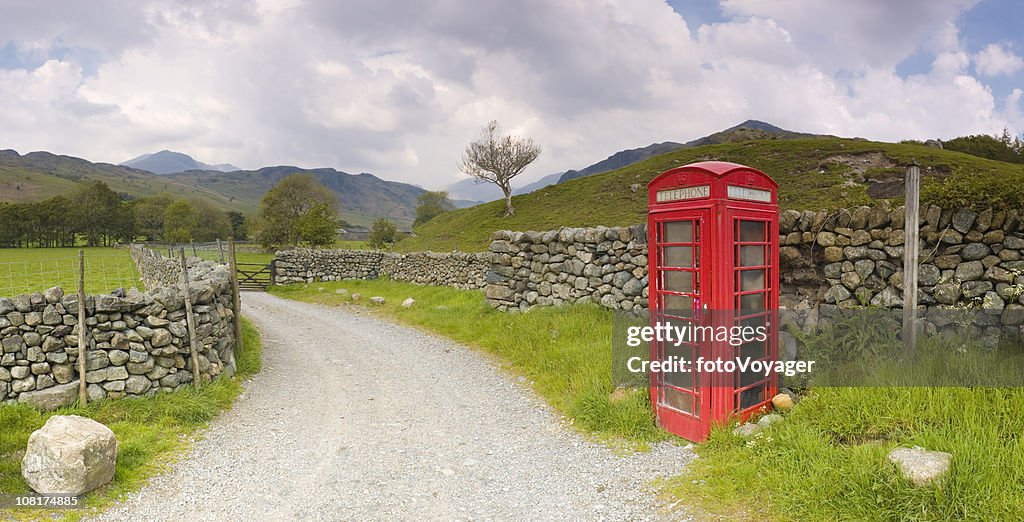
220 248
190 320
910 256
193 243
83 393
235 299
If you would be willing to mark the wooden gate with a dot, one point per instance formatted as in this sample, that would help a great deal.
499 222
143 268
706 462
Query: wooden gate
254 276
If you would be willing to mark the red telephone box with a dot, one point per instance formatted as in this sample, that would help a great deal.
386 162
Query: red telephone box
713 255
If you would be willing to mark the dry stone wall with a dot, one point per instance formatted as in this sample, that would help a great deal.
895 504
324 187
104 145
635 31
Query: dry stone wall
829 259
138 342
455 269
569 265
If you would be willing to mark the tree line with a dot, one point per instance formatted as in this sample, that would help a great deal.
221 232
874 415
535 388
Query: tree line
100 216
298 211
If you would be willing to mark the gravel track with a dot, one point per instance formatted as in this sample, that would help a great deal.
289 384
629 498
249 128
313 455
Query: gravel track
356 418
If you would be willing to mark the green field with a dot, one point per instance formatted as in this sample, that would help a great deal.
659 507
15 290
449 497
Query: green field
27 270
812 174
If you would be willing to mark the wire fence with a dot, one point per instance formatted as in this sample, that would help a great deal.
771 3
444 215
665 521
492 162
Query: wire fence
24 271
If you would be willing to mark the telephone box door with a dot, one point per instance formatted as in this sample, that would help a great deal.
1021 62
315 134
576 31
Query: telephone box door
679 297
753 305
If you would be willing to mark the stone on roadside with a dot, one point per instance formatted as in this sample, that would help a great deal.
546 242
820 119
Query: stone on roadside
341 291
356 297
377 300
920 466
70 455
408 303
768 420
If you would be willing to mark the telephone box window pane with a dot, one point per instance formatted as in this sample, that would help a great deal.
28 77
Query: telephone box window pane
681 401
679 281
751 255
751 397
679 379
752 350
751 280
678 232
751 303
677 303
750 377
679 257
752 230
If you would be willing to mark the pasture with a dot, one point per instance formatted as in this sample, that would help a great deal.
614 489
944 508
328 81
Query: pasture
26 270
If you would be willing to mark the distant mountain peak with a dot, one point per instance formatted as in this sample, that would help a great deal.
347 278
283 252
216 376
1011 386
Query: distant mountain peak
170 162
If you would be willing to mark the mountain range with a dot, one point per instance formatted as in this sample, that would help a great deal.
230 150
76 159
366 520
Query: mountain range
363 197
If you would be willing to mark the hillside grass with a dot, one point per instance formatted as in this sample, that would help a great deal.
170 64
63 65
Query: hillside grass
27 270
806 181
565 352
151 431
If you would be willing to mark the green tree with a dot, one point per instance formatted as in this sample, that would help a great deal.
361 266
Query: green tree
148 215
382 233
238 225
211 222
97 212
430 205
1000 147
282 206
318 227
180 220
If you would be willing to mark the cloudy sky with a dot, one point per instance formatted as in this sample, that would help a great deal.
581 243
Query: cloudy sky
397 87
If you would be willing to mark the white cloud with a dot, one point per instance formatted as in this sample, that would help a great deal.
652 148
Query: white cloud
996 60
397 88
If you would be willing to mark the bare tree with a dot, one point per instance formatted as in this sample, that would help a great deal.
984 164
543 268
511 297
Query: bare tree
496 158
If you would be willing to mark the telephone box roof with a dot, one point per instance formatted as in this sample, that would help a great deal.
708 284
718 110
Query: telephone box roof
715 168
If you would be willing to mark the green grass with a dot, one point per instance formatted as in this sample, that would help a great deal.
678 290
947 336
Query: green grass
827 461
26 270
564 351
151 431
806 181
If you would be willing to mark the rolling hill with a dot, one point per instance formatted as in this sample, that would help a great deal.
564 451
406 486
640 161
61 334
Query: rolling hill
746 131
813 173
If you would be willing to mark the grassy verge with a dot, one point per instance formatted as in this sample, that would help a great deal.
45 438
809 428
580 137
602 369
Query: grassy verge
828 460
150 431
565 351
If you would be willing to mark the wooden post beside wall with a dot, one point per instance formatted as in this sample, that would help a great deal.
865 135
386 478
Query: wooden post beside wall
235 298
191 322
83 393
910 257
